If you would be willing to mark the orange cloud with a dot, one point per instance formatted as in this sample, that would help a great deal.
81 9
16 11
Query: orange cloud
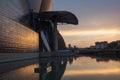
91 72
86 38
89 32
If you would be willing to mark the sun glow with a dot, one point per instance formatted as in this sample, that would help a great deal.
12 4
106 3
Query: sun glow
92 72
86 38
84 33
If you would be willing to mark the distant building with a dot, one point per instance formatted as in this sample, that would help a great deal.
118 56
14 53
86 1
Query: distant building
75 47
69 46
92 47
101 45
118 42
114 44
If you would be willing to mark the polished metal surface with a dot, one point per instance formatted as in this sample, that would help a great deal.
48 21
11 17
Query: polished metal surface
15 36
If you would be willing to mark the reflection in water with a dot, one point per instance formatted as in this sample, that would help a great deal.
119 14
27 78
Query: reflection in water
35 69
10 66
20 70
87 67
57 66
105 56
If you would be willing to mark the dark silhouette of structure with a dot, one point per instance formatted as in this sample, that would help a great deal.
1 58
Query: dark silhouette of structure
58 66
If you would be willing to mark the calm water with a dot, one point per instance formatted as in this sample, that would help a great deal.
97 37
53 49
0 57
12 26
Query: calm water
62 68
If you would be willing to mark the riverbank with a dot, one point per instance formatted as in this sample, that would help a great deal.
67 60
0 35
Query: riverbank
100 51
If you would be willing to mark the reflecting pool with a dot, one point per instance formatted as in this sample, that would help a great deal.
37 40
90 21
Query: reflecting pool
62 68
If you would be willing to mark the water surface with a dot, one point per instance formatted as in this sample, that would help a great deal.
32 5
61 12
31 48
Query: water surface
62 68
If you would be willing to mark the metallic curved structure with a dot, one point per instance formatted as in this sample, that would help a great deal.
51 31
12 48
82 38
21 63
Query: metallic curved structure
59 17
30 26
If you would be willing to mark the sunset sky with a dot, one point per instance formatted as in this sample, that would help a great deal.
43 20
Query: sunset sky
99 20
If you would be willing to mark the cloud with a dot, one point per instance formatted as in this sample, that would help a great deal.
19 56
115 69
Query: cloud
86 72
88 32
86 38
99 20
92 77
